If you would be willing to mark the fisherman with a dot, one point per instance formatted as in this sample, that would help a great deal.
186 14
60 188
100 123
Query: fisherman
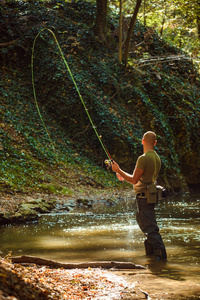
146 172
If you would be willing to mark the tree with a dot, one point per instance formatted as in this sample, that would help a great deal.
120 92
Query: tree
130 30
178 21
100 25
120 31
198 18
100 22
164 18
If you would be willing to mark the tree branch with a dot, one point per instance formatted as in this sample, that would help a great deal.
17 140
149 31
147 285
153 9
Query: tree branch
3 45
81 265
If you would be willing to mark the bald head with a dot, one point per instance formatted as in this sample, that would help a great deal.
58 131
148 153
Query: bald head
150 138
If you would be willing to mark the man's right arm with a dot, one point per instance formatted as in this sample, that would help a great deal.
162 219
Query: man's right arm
132 179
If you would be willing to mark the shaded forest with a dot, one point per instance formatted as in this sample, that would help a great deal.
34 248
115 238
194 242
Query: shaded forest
157 90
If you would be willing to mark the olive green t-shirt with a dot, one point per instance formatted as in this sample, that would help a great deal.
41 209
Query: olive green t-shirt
149 162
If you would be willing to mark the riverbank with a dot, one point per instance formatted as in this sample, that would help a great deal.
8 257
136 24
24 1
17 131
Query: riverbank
22 208
159 287
25 282
20 281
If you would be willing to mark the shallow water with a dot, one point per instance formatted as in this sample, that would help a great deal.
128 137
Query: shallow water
111 233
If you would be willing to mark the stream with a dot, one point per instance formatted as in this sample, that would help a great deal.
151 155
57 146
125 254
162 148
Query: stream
111 233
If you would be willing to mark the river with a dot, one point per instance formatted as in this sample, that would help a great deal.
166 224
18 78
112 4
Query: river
111 233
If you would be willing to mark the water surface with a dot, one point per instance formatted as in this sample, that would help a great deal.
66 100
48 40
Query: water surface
111 233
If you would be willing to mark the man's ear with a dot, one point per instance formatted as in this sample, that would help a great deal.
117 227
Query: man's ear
155 142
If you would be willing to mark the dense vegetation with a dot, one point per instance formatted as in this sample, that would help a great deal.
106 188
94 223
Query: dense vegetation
178 21
158 90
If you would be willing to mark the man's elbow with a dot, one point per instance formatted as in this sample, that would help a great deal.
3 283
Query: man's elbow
134 181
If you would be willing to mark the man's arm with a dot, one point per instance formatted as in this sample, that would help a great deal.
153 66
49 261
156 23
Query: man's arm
133 179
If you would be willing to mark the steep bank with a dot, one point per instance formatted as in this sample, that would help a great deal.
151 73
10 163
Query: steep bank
159 91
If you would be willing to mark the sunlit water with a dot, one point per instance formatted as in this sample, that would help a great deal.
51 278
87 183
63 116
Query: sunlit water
112 233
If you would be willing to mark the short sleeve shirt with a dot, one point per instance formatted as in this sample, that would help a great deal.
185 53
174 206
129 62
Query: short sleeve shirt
149 162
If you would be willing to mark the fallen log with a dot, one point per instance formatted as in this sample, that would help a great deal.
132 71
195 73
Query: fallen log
82 265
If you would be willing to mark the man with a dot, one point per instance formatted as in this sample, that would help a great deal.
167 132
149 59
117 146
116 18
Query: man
145 173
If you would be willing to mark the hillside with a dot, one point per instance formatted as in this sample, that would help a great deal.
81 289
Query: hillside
158 90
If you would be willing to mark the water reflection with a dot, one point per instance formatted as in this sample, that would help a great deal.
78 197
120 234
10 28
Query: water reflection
111 233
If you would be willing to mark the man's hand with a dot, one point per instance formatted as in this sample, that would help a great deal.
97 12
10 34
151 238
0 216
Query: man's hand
115 166
132 179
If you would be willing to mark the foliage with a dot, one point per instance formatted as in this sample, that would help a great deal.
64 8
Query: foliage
159 94
176 21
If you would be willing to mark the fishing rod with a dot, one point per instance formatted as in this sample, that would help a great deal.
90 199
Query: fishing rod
109 160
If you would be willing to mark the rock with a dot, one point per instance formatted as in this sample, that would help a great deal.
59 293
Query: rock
111 202
84 203
61 208
71 203
37 206
28 211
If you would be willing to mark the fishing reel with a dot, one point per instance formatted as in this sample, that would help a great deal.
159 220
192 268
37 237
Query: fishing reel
108 163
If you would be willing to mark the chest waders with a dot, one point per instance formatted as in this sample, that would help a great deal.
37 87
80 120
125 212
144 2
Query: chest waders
146 219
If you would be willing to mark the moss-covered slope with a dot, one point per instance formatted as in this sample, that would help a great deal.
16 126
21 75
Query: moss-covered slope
158 90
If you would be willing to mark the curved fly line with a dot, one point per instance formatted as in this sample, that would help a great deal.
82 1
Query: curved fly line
77 89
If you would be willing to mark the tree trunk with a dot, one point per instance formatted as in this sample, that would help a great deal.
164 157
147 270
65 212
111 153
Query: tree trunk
198 18
120 31
144 13
130 30
100 23
164 17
